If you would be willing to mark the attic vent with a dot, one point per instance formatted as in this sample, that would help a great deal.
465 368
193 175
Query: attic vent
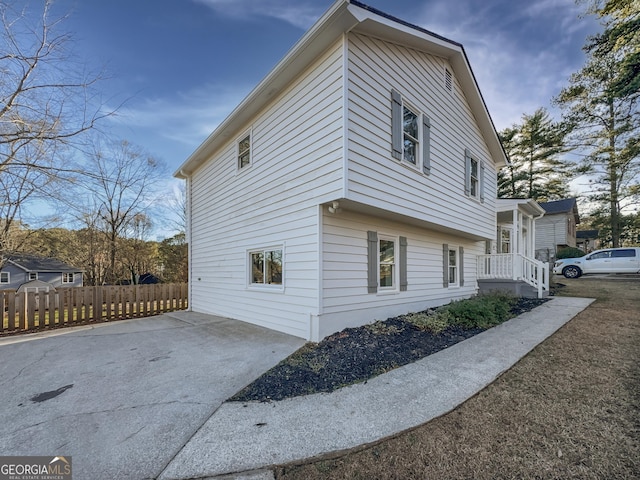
448 80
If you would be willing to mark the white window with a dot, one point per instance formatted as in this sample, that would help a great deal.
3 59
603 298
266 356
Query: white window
33 276
4 277
475 183
67 278
266 267
244 151
505 240
474 177
453 267
410 134
387 269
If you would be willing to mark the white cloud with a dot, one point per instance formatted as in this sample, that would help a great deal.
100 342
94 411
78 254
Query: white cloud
301 14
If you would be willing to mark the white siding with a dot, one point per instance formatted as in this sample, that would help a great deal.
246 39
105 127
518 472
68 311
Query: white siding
375 178
344 283
297 152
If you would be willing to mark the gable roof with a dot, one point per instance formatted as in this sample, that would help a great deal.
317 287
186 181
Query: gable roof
566 205
342 17
35 263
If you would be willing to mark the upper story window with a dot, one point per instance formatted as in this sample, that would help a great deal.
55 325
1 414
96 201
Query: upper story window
33 275
244 151
266 267
4 277
67 278
474 177
410 134
475 183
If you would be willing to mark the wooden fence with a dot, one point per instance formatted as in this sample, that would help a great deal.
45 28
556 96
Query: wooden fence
68 306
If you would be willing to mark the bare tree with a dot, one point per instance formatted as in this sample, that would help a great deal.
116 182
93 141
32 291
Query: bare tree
122 188
46 103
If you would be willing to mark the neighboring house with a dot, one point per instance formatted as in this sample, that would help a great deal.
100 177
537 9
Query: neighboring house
357 181
557 229
38 272
587 240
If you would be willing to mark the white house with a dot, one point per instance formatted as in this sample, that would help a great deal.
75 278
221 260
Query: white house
357 181
558 228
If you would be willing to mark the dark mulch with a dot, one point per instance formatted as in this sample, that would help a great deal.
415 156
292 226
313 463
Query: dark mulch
356 355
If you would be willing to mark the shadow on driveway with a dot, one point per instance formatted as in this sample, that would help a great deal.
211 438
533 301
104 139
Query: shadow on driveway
123 398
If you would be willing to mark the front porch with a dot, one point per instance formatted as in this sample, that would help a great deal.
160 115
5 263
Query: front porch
509 263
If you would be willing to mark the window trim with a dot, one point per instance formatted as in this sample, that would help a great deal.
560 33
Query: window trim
8 274
423 141
68 277
263 285
395 277
468 177
247 134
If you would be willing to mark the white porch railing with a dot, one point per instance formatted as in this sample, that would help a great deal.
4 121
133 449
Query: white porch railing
513 266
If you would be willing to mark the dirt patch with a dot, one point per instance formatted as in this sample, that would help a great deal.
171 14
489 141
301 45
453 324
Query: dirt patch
569 409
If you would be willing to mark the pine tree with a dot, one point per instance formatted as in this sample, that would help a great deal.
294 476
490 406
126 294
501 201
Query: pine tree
537 170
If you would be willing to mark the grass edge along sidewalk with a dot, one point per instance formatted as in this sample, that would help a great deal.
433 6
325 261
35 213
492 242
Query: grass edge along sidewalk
567 410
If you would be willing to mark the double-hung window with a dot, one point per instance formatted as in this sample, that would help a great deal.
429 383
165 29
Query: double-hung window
67 278
244 151
411 142
453 267
410 134
4 277
266 267
387 270
474 177
453 263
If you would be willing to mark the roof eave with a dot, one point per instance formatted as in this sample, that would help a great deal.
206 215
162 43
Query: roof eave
342 17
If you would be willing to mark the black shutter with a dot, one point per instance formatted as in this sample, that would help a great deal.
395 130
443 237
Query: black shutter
403 264
445 265
396 125
372 262
426 145
461 266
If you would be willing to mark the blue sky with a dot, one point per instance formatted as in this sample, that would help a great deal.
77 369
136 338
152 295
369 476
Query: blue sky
181 66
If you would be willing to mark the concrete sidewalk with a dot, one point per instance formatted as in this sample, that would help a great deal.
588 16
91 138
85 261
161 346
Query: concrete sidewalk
247 437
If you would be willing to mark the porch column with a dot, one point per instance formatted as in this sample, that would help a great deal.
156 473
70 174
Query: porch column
516 242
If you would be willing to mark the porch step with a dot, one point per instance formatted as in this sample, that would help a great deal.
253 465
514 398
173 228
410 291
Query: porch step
517 287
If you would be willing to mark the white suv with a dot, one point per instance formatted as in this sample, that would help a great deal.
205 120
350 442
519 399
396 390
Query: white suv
609 260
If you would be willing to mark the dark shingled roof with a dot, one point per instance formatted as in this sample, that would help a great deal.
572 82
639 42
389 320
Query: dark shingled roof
566 205
587 234
34 263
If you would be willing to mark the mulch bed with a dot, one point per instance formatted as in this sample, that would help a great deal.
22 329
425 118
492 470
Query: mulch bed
355 355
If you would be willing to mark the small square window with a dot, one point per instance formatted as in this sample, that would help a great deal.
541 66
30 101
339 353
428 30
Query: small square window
67 278
33 276
4 277
266 267
244 152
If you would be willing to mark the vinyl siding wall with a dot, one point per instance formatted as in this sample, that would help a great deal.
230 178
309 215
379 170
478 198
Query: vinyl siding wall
375 67
297 153
346 302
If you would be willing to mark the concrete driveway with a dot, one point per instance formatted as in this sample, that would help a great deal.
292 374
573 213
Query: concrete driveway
123 398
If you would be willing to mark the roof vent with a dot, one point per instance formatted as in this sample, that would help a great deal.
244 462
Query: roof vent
448 79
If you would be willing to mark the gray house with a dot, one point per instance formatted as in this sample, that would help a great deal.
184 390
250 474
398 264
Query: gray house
20 269
557 228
